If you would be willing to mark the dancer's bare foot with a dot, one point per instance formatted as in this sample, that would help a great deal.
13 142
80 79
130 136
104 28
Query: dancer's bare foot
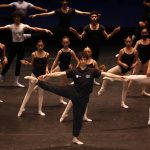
144 93
62 101
76 141
87 119
63 117
41 113
124 105
20 112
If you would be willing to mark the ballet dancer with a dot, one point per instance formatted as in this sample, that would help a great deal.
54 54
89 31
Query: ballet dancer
65 14
17 47
3 58
79 92
143 48
21 7
62 61
127 60
40 66
92 34
92 64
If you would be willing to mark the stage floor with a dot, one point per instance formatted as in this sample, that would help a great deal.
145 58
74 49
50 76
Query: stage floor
113 128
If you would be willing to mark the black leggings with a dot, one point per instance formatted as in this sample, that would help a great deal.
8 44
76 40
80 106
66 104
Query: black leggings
79 102
17 49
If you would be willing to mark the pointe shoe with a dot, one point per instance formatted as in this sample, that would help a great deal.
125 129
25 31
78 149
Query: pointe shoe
145 93
124 106
63 102
76 141
87 119
20 112
100 92
96 83
17 84
148 122
62 118
72 83
41 113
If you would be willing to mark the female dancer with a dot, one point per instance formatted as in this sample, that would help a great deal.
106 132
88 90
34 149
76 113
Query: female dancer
79 92
63 60
17 48
92 34
40 67
65 13
92 64
143 48
3 58
127 60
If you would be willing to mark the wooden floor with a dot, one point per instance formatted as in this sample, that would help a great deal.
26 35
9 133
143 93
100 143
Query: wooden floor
113 128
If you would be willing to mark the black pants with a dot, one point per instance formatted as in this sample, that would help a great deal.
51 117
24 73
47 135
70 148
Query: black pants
79 102
17 49
95 51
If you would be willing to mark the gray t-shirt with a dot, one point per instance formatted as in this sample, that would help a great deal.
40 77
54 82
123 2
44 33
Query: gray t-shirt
17 31
21 7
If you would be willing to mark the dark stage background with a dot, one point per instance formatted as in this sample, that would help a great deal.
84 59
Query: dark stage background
114 12
125 13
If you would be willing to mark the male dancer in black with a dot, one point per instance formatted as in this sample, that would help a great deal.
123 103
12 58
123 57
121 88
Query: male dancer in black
92 34
78 93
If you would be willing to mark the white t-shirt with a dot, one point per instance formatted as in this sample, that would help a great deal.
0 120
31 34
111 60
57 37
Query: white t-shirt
22 7
17 31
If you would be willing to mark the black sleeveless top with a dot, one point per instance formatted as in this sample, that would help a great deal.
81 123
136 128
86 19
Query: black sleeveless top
90 65
64 18
127 59
64 60
93 37
144 53
39 65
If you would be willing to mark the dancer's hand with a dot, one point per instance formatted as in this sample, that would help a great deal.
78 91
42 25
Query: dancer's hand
5 61
146 4
116 30
25 62
32 16
72 30
48 31
125 66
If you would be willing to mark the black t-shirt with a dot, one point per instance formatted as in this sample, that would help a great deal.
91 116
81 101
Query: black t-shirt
64 18
83 79
93 37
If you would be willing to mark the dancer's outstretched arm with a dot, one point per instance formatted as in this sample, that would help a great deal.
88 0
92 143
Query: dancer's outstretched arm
43 14
108 36
75 32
